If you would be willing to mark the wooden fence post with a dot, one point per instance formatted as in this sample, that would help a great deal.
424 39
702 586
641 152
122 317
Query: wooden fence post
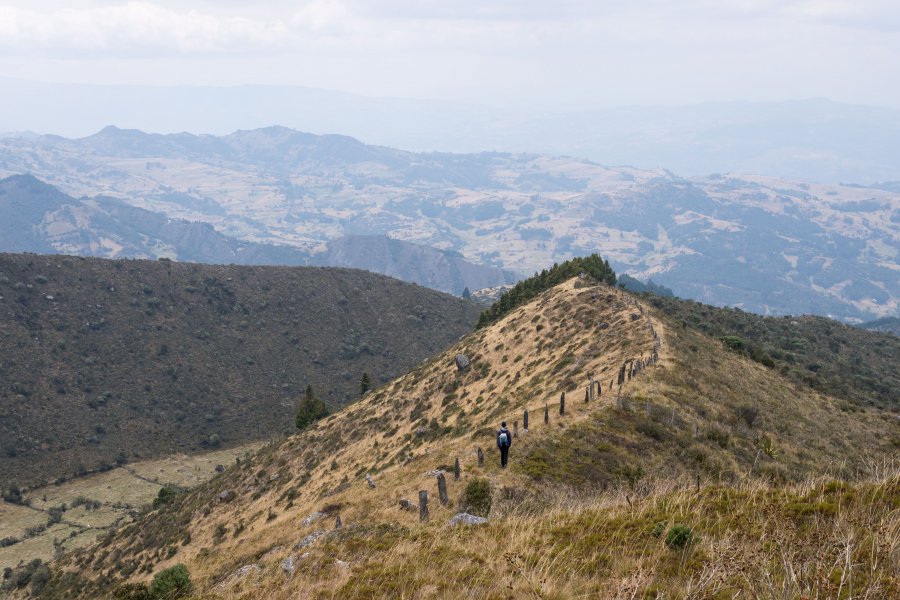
546 414
562 404
480 453
442 489
423 505
456 470
525 420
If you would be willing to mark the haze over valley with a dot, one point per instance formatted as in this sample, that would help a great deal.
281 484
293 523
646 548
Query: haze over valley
329 299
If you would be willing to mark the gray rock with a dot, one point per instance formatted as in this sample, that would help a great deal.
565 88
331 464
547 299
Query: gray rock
246 570
340 564
289 565
309 540
462 362
310 519
370 481
405 504
467 519
227 496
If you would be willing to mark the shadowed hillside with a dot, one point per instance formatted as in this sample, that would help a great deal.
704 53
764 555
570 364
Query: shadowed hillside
108 361
597 498
850 363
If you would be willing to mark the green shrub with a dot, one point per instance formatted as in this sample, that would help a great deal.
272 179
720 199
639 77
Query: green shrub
165 496
171 583
679 536
477 497
733 342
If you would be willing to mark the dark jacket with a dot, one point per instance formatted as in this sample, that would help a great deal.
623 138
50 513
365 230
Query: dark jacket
508 437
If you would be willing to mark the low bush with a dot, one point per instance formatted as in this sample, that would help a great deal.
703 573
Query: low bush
477 497
171 583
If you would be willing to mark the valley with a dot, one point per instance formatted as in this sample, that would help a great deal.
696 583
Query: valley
90 506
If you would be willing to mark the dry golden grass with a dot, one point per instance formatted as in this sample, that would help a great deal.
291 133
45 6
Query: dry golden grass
572 516
816 539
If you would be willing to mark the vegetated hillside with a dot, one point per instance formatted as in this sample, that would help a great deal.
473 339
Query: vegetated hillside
859 366
39 218
107 361
885 324
768 245
590 503
439 270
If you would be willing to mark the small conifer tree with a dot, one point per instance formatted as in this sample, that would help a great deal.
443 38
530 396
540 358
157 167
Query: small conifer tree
311 409
365 384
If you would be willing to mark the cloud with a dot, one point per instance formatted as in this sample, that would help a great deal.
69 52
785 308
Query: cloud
135 28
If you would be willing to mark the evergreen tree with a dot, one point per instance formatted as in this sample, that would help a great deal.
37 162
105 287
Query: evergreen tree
467 295
365 384
593 266
311 409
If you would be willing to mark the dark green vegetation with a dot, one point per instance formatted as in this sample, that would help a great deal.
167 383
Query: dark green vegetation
171 583
635 285
108 361
311 409
593 266
885 325
477 497
860 366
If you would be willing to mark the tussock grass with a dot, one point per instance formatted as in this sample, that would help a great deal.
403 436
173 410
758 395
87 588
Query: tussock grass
575 514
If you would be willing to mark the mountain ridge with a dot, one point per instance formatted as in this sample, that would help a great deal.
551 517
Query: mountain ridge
760 243
679 417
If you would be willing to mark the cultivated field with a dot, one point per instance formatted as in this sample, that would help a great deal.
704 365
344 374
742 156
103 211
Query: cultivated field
95 503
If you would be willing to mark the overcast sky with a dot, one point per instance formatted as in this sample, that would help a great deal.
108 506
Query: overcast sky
550 53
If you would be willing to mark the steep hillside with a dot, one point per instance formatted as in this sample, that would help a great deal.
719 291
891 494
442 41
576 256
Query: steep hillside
107 361
767 245
858 366
591 496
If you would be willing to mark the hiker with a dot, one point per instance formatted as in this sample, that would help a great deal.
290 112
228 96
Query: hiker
504 441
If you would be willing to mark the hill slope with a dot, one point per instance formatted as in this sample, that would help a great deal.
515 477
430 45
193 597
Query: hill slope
678 419
114 360
768 245
40 218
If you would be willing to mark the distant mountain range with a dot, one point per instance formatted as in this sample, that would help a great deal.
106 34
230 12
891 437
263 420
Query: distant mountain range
39 218
813 140
764 244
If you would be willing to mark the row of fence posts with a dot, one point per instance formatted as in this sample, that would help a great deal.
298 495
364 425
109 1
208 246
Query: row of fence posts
594 389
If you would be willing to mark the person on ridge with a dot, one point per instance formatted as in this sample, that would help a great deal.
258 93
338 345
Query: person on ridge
504 441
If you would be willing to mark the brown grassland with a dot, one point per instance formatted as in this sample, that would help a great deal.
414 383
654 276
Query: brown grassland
715 477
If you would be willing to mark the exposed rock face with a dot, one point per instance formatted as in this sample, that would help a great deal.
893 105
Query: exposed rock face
462 362
289 565
246 570
467 519
310 519
309 540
